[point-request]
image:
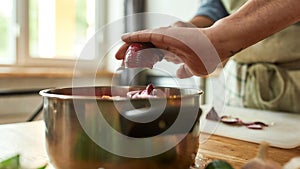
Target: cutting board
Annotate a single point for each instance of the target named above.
(283, 132)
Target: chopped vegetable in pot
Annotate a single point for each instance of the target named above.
(148, 92)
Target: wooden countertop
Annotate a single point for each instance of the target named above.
(28, 140)
(238, 152)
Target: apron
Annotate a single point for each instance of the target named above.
(267, 73)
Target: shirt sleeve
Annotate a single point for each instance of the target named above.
(214, 9)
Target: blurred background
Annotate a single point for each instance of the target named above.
(41, 41)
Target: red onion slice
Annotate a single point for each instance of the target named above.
(213, 115)
(255, 126)
(230, 120)
(136, 56)
(147, 93)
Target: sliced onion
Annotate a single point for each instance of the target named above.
(230, 120)
(255, 126)
(213, 115)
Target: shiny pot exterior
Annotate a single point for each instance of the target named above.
(70, 112)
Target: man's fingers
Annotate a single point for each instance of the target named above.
(172, 58)
(121, 52)
(138, 36)
(157, 36)
(184, 24)
(183, 72)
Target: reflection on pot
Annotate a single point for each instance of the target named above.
(70, 146)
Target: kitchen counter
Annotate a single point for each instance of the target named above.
(28, 140)
(238, 152)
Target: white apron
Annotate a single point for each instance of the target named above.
(266, 75)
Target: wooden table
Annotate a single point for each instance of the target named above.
(238, 152)
(28, 140)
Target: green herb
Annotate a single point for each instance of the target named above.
(11, 163)
(14, 163)
(218, 164)
(43, 167)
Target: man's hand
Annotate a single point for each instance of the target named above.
(187, 45)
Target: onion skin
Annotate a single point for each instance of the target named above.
(137, 57)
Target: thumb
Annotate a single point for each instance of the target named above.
(183, 72)
(184, 24)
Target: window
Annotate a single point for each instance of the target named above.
(7, 32)
(59, 29)
(45, 33)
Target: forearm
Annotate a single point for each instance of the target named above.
(209, 12)
(256, 20)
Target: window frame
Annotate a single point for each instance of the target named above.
(21, 39)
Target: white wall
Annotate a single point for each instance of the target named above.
(182, 9)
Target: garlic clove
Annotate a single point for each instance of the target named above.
(261, 161)
(294, 163)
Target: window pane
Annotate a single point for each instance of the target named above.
(60, 28)
(7, 32)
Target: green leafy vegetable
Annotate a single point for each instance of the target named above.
(43, 167)
(14, 163)
(11, 163)
(218, 164)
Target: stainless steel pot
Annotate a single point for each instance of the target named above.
(76, 136)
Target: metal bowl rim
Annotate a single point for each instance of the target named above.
(45, 93)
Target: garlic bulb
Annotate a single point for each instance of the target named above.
(294, 163)
(261, 161)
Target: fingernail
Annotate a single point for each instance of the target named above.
(125, 36)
